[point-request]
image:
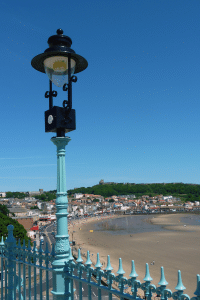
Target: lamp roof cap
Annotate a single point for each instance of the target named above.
(59, 39)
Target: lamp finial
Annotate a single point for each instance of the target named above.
(59, 31)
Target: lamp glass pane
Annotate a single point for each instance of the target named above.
(56, 68)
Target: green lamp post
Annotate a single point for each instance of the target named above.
(60, 63)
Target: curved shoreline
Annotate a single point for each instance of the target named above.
(175, 249)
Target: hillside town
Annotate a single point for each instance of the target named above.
(33, 213)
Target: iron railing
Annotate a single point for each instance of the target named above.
(26, 273)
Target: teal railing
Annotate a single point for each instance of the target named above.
(26, 273)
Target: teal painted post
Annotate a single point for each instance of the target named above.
(62, 238)
(6, 280)
(161, 291)
(135, 284)
(69, 283)
(47, 273)
(35, 275)
(40, 271)
(147, 287)
(29, 270)
(88, 264)
(24, 270)
(180, 288)
(10, 244)
(2, 247)
(79, 262)
(108, 270)
(98, 275)
(120, 273)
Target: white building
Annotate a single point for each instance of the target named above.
(125, 207)
(167, 198)
(78, 196)
(39, 205)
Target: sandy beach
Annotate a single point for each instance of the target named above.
(175, 248)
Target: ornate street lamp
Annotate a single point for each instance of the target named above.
(60, 63)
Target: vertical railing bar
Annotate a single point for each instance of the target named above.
(72, 281)
(40, 284)
(24, 276)
(99, 291)
(98, 275)
(80, 290)
(72, 289)
(122, 290)
(47, 280)
(79, 271)
(70, 270)
(35, 283)
(29, 282)
(40, 272)
(19, 280)
(29, 270)
(80, 283)
(98, 278)
(15, 276)
(110, 295)
(2, 276)
(109, 281)
(89, 292)
(88, 275)
(6, 279)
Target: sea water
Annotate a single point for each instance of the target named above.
(139, 224)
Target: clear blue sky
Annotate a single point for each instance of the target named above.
(137, 104)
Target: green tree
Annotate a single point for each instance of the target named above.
(95, 200)
(9, 195)
(34, 207)
(19, 231)
(4, 210)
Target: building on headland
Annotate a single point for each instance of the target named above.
(101, 182)
(35, 193)
(2, 195)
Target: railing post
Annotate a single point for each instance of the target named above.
(180, 288)
(62, 238)
(147, 287)
(135, 284)
(10, 244)
(120, 277)
(108, 270)
(161, 291)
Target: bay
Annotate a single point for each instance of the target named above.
(140, 224)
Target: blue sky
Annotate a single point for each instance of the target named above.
(137, 104)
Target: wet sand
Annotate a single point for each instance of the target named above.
(177, 248)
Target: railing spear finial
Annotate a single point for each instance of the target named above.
(88, 261)
(109, 267)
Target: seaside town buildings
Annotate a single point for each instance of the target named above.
(33, 213)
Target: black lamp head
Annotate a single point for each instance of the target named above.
(59, 45)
